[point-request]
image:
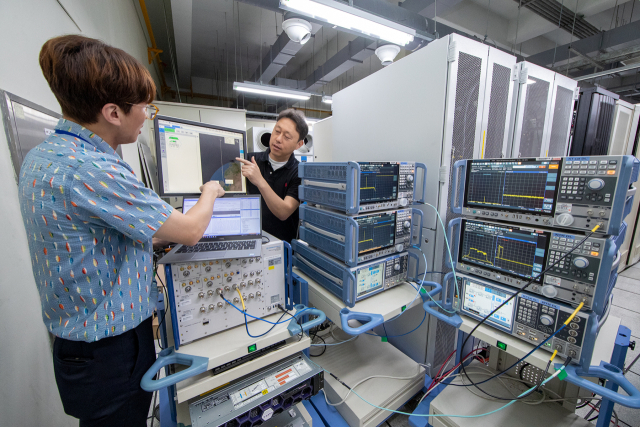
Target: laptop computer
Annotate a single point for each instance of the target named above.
(235, 231)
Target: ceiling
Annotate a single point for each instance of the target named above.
(208, 44)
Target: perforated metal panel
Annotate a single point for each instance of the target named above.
(560, 123)
(465, 116)
(499, 99)
(535, 112)
(445, 343)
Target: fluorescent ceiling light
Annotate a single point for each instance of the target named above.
(269, 90)
(327, 99)
(349, 17)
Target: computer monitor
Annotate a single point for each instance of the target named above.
(192, 153)
(238, 215)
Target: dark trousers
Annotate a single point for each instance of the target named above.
(99, 382)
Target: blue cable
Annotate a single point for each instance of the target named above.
(443, 415)
(260, 318)
(406, 333)
(518, 361)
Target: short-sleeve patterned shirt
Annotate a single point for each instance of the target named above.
(89, 222)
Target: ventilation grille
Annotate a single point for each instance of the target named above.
(464, 119)
(535, 111)
(498, 101)
(598, 144)
(528, 373)
(445, 343)
(560, 124)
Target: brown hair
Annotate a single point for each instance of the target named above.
(85, 74)
(298, 118)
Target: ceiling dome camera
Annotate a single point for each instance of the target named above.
(297, 29)
(387, 53)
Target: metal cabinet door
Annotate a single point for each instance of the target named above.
(560, 115)
(622, 116)
(463, 116)
(534, 101)
(496, 109)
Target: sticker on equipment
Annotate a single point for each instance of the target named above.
(564, 208)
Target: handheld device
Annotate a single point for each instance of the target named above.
(512, 255)
(360, 238)
(528, 317)
(357, 187)
(351, 284)
(196, 289)
(574, 193)
(192, 153)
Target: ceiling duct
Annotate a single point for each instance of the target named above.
(555, 12)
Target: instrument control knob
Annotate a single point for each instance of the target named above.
(546, 320)
(564, 219)
(581, 262)
(211, 307)
(595, 184)
(399, 247)
(396, 267)
(402, 202)
(406, 225)
(409, 178)
(549, 291)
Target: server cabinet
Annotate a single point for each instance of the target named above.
(593, 122)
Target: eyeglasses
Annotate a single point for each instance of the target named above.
(150, 111)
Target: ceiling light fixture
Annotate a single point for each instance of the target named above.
(327, 99)
(273, 91)
(351, 18)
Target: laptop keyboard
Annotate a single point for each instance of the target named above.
(218, 246)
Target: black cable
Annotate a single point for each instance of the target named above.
(522, 369)
(499, 307)
(315, 335)
(161, 322)
(265, 237)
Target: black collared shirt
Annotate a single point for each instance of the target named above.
(284, 182)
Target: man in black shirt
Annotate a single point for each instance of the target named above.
(274, 174)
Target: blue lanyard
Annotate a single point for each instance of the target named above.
(64, 132)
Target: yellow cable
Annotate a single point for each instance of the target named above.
(574, 313)
(241, 299)
(553, 356)
(595, 228)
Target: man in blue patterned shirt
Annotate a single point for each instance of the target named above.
(90, 224)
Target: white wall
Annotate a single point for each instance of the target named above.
(28, 393)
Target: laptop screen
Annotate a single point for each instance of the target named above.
(232, 216)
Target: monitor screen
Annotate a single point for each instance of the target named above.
(377, 231)
(378, 181)
(190, 154)
(522, 185)
(503, 248)
(370, 278)
(481, 300)
(232, 216)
